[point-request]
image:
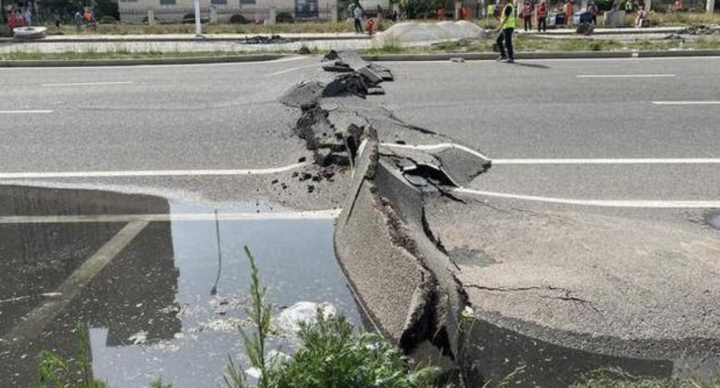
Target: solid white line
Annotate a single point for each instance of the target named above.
(686, 102)
(607, 161)
(290, 70)
(108, 218)
(90, 84)
(440, 146)
(147, 173)
(123, 67)
(670, 204)
(16, 112)
(624, 75)
(34, 323)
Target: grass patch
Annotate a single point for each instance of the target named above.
(164, 29)
(120, 54)
(540, 44)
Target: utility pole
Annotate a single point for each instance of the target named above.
(198, 23)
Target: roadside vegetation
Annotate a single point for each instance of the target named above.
(189, 28)
(332, 354)
(538, 44)
(522, 44)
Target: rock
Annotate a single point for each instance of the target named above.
(300, 313)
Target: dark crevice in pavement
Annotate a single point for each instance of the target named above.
(566, 293)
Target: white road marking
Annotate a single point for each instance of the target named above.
(440, 146)
(20, 112)
(108, 218)
(290, 70)
(34, 69)
(624, 75)
(686, 102)
(147, 173)
(34, 323)
(649, 204)
(607, 161)
(89, 84)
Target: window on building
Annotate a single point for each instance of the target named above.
(167, 2)
(247, 2)
(218, 2)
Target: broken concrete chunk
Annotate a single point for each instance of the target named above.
(370, 75)
(291, 319)
(304, 94)
(376, 91)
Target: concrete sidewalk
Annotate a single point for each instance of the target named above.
(612, 31)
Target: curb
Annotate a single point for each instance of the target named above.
(141, 62)
(159, 38)
(542, 55)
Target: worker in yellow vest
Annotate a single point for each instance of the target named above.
(505, 32)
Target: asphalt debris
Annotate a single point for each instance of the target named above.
(263, 39)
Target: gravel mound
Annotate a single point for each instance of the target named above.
(428, 32)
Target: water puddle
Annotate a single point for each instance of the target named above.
(157, 295)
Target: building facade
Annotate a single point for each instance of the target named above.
(136, 11)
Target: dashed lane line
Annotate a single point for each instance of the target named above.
(148, 173)
(110, 218)
(89, 84)
(606, 161)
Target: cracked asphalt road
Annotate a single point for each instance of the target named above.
(226, 116)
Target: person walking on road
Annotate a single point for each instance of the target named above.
(505, 33)
(357, 15)
(542, 14)
(526, 14)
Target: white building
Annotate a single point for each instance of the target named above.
(136, 11)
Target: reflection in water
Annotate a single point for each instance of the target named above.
(167, 303)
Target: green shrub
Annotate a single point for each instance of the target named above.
(284, 17)
(238, 19)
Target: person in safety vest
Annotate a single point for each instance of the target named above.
(542, 14)
(505, 32)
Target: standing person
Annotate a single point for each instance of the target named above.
(640, 16)
(542, 14)
(357, 15)
(526, 14)
(78, 20)
(27, 16)
(568, 9)
(505, 32)
(594, 10)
